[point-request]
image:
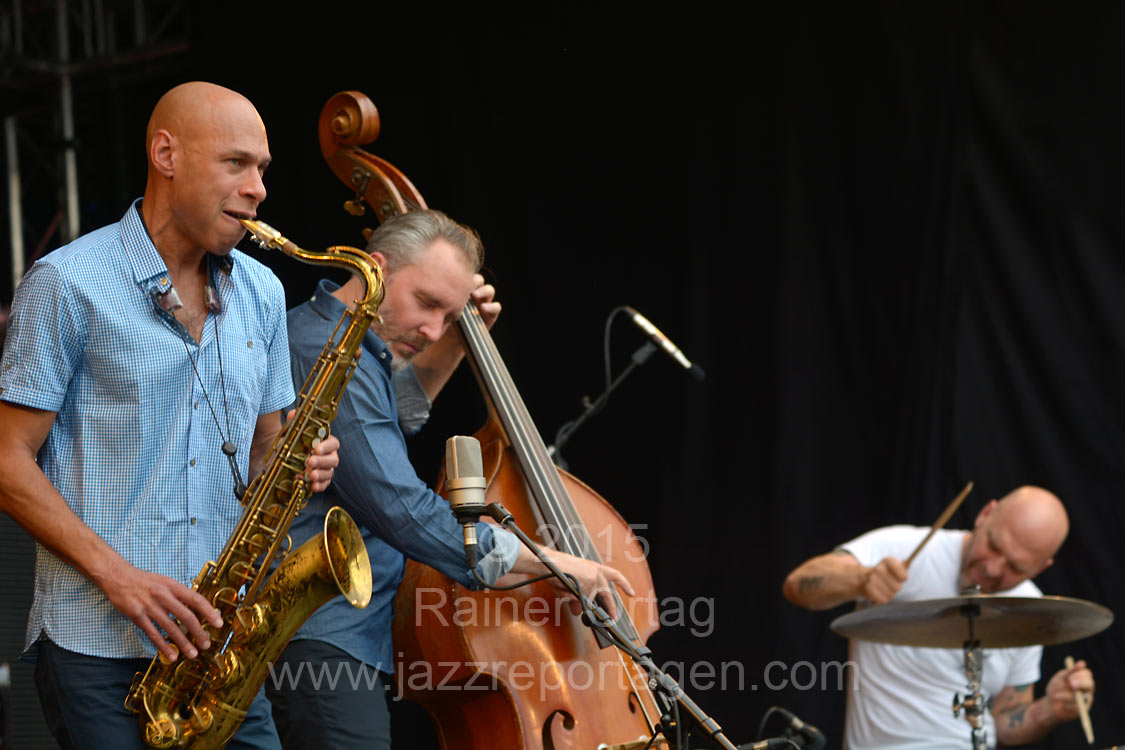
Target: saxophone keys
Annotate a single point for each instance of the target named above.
(271, 516)
(256, 545)
(250, 622)
(161, 733)
(241, 572)
(164, 658)
(224, 599)
(226, 669)
(201, 719)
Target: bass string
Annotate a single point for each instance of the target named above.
(545, 485)
(542, 477)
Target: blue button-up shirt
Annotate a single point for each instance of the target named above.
(375, 482)
(134, 449)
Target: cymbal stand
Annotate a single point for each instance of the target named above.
(973, 704)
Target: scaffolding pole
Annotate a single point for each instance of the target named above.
(15, 199)
(70, 158)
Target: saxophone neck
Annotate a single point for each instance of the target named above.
(352, 258)
(371, 274)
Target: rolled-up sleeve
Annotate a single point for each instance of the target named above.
(413, 403)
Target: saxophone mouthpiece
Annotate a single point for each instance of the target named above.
(264, 234)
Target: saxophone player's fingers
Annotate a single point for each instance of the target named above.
(323, 462)
(166, 649)
(184, 605)
(156, 615)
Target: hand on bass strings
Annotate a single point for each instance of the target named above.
(484, 296)
(593, 578)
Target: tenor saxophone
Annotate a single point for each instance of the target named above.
(199, 703)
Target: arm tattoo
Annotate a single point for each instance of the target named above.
(809, 583)
(1016, 716)
(1012, 695)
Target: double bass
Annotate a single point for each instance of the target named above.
(510, 669)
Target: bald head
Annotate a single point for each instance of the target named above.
(207, 152)
(1035, 517)
(1013, 539)
(192, 109)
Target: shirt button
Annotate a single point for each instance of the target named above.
(249, 344)
(193, 520)
(196, 405)
(192, 462)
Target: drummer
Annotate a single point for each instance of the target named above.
(901, 696)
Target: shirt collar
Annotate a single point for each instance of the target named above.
(149, 269)
(324, 304)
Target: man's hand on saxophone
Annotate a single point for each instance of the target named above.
(145, 598)
(148, 598)
(322, 464)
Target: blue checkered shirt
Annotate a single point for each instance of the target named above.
(134, 449)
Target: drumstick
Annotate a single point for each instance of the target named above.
(1083, 709)
(943, 519)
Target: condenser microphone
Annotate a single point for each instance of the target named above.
(464, 475)
(665, 343)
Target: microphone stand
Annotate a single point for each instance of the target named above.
(639, 357)
(600, 622)
(5, 709)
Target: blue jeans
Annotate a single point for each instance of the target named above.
(83, 701)
(323, 698)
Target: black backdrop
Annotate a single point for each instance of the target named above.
(887, 231)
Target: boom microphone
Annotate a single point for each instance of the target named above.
(464, 474)
(665, 343)
(814, 738)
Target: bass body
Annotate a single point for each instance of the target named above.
(510, 669)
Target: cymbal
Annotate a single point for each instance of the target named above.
(1002, 622)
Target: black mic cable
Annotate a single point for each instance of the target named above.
(464, 475)
(814, 738)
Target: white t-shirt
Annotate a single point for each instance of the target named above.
(902, 696)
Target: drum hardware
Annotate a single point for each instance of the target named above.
(993, 622)
(973, 704)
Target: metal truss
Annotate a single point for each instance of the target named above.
(48, 50)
